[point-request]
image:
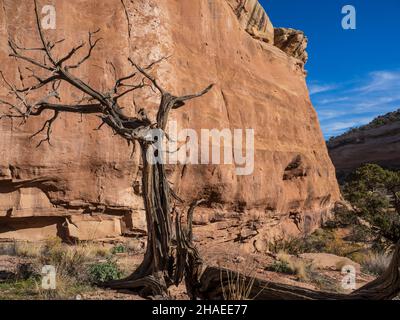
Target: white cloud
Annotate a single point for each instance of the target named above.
(380, 81)
(315, 88)
(333, 100)
(335, 128)
(357, 102)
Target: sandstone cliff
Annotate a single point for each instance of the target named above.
(377, 142)
(86, 185)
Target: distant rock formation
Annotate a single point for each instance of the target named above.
(86, 185)
(377, 142)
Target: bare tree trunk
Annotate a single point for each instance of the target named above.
(155, 273)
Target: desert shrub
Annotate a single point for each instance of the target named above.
(71, 261)
(135, 246)
(318, 241)
(27, 288)
(238, 286)
(342, 248)
(101, 252)
(104, 271)
(27, 249)
(120, 248)
(68, 261)
(360, 233)
(18, 290)
(375, 263)
(344, 216)
(280, 267)
(375, 192)
(322, 240)
(66, 288)
(324, 282)
(76, 268)
(288, 264)
(290, 245)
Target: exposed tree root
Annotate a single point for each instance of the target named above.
(146, 286)
(212, 283)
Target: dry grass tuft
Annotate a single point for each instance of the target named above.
(375, 263)
(238, 287)
(27, 249)
(288, 264)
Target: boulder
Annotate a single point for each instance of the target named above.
(328, 261)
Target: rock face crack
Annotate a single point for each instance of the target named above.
(128, 20)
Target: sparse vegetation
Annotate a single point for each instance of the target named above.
(289, 245)
(280, 267)
(26, 249)
(120, 248)
(375, 194)
(78, 268)
(104, 271)
(69, 261)
(324, 282)
(18, 289)
(375, 263)
(288, 264)
(322, 240)
(238, 287)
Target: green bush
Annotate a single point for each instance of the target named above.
(104, 271)
(119, 249)
(375, 193)
(280, 267)
(360, 233)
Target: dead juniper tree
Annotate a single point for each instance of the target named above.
(158, 270)
(170, 256)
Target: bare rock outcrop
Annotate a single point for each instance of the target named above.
(253, 18)
(293, 42)
(86, 184)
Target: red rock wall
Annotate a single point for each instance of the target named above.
(380, 145)
(87, 173)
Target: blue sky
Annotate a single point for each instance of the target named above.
(353, 75)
